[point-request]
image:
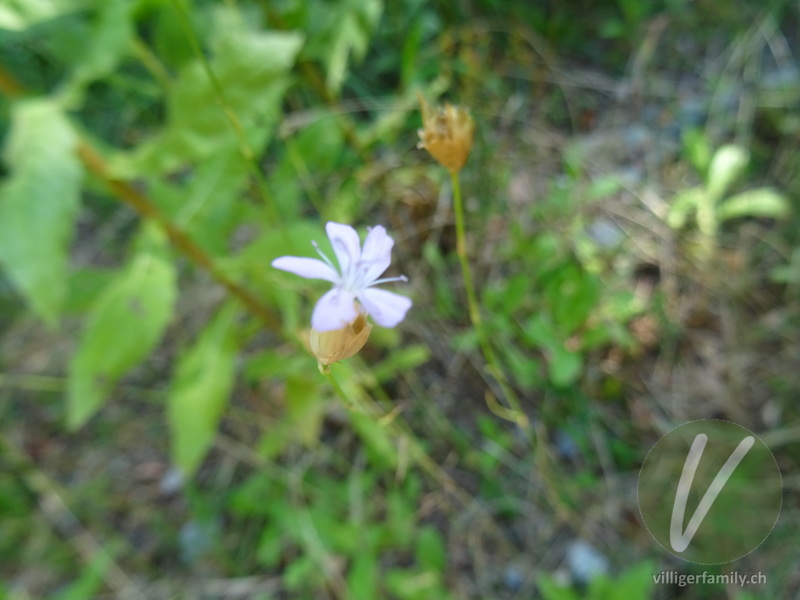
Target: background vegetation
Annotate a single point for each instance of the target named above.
(633, 234)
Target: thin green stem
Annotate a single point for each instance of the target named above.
(514, 413)
(461, 249)
(345, 398)
(152, 63)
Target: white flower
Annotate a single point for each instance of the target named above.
(358, 272)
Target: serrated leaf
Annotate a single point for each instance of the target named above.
(38, 204)
(728, 163)
(761, 202)
(251, 70)
(123, 327)
(200, 391)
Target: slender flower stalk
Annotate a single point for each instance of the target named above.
(515, 413)
(461, 250)
(447, 134)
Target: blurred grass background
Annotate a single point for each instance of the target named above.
(631, 217)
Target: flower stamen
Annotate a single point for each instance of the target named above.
(388, 279)
(323, 255)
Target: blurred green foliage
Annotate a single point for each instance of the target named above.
(244, 126)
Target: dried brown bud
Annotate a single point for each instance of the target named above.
(332, 346)
(446, 134)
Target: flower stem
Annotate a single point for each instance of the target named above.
(514, 413)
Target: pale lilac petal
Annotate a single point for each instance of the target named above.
(346, 245)
(376, 255)
(310, 268)
(387, 308)
(334, 310)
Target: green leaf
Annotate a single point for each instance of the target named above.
(697, 148)
(728, 163)
(90, 581)
(636, 582)
(410, 584)
(271, 544)
(169, 38)
(355, 20)
(401, 516)
(363, 576)
(378, 444)
(572, 294)
(430, 551)
(603, 187)
(208, 207)
(309, 156)
(85, 286)
(302, 573)
(551, 590)
(107, 44)
(789, 272)
(17, 15)
(444, 296)
(523, 368)
(251, 69)
(126, 323)
(201, 389)
(388, 124)
(761, 202)
(564, 366)
(305, 407)
(539, 331)
(683, 204)
(38, 203)
(401, 360)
